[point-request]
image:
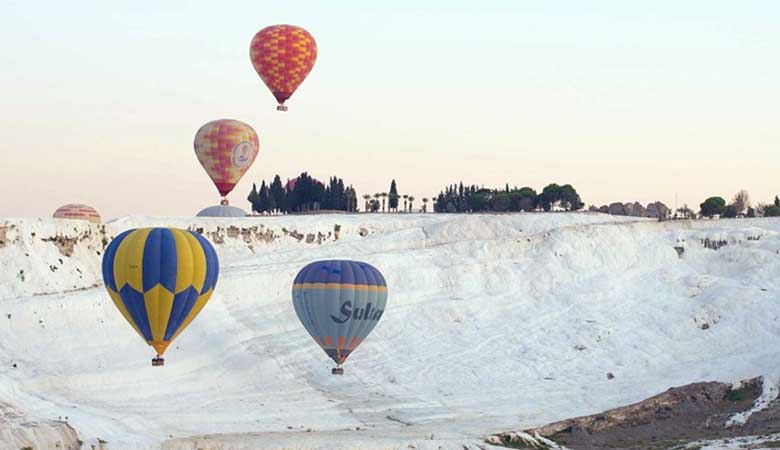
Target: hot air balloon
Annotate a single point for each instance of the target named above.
(283, 55)
(339, 303)
(77, 211)
(226, 148)
(222, 211)
(160, 279)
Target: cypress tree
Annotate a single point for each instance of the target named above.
(277, 190)
(393, 196)
(253, 198)
(263, 198)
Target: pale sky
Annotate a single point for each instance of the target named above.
(626, 100)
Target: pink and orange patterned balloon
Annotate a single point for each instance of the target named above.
(283, 55)
(226, 148)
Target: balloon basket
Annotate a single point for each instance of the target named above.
(224, 201)
(158, 361)
(337, 371)
(281, 108)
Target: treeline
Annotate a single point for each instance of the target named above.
(392, 200)
(303, 194)
(460, 199)
(739, 207)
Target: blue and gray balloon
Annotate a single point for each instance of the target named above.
(339, 303)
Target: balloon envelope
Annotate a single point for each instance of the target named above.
(339, 303)
(283, 55)
(222, 211)
(226, 148)
(160, 279)
(77, 211)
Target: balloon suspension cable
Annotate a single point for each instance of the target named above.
(281, 108)
(338, 370)
(224, 201)
(158, 361)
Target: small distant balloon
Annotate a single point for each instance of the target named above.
(226, 148)
(77, 211)
(283, 55)
(222, 211)
(339, 303)
(160, 279)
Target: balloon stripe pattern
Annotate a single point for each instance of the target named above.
(283, 55)
(160, 279)
(226, 148)
(339, 304)
(77, 211)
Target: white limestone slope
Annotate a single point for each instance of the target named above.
(494, 322)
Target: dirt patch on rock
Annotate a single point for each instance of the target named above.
(248, 235)
(676, 417)
(65, 245)
(4, 231)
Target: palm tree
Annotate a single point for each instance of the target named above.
(384, 197)
(367, 197)
(405, 199)
(376, 197)
(425, 204)
(411, 201)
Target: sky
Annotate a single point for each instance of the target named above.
(628, 101)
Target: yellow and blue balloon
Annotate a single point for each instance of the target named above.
(160, 279)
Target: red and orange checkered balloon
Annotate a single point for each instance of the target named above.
(226, 148)
(283, 55)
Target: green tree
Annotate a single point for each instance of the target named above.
(451, 208)
(262, 198)
(353, 195)
(279, 194)
(271, 203)
(569, 198)
(777, 201)
(393, 203)
(500, 202)
(307, 195)
(526, 199)
(772, 211)
(731, 211)
(476, 203)
(712, 206)
(253, 197)
(551, 194)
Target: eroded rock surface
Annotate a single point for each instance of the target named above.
(673, 418)
(18, 431)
